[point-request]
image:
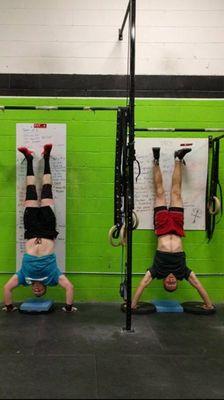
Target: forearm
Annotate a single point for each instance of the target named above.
(8, 288)
(68, 287)
(205, 297)
(69, 295)
(194, 281)
(7, 296)
(137, 295)
(143, 284)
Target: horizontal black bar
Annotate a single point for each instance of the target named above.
(77, 85)
(58, 108)
(202, 274)
(218, 138)
(179, 129)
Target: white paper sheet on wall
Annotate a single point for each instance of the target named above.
(193, 184)
(34, 136)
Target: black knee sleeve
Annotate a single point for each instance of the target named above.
(31, 192)
(46, 192)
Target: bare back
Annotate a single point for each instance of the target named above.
(170, 243)
(39, 247)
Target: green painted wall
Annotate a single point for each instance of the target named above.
(90, 174)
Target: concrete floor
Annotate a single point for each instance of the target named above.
(88, 355)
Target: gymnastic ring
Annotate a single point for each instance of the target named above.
(111, 238)
(135, 220)
(123, 235)
(214, 205)
(123, 231)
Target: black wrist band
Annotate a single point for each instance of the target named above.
(68, 307)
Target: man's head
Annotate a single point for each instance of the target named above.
(38, 289)
(170, 283)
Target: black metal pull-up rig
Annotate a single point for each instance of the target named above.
(129, 198)
(129, 195)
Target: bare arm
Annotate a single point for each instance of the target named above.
(69, 289)
(194, 281)
(8, 288)
(143, 284)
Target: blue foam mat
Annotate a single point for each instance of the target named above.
(36, 305)
(169, 306)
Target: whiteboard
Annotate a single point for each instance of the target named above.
(34, 136)
(193, 182)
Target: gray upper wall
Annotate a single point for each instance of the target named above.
(174, 37)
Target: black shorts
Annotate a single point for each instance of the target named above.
(40, 222)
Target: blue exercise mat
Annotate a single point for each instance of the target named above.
(168, 306)
(36, 306)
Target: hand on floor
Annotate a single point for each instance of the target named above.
(9, 308)
(69, 309)
(206, 307)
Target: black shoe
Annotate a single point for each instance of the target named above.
(156, 154)
(181, 153)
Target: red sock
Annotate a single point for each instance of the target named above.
(47, 149)
(26, 152)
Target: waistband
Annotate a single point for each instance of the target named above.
(165, 208)
(179, 253)
(30, 257)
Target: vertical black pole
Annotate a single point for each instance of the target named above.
(131, 157)
(120, 182)
(118, 177)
